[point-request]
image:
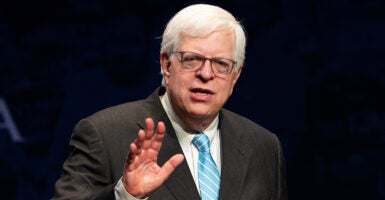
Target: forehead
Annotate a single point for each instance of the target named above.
(218, 43)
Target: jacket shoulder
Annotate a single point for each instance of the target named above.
(238, 120)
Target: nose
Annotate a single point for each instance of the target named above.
(206, 71)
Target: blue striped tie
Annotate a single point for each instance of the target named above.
(208, 174)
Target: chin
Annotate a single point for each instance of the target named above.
(201, 114)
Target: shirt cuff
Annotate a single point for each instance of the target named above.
(121, 193)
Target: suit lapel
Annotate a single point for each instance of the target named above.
(180, 183)
(234, 160)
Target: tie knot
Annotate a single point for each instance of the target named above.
(201, 142)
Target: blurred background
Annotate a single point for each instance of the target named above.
(314, 75)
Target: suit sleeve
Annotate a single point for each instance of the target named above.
(86, 172)
(281, 173)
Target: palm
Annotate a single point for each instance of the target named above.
(142, 174)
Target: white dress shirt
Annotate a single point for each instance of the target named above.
(190, 151)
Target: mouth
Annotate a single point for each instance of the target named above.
(201, 91)
(201, 94)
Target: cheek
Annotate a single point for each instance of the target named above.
(173, 80)
(229, 90)
(225, 93)
(180, 79)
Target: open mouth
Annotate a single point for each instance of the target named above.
(200, 91)
(201, 95)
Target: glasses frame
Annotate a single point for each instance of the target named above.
(216, 72)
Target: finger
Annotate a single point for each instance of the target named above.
(161, 129)
(149, 128)
(131, 156)
(149, 131)
(158, 137)
(135, 148)
(139, 141)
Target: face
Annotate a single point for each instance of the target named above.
(200, 94)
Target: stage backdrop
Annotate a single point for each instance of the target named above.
(314, 75)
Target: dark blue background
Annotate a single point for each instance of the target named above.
(314, 75)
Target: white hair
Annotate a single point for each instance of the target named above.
(201, 20)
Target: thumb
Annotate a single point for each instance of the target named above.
(171, 165)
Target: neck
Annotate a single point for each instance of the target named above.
(196, 124)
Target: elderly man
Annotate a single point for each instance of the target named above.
(181, 142)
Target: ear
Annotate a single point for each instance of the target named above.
(235, 79)
(165, 63)
(237, 75)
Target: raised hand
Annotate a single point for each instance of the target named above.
(142, 174)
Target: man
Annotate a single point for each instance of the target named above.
(201, 56)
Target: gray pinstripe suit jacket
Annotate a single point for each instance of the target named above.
(252, 159)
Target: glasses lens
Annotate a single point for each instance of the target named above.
(222, 66)
(192, 60)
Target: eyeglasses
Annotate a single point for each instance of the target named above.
(194, 61)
